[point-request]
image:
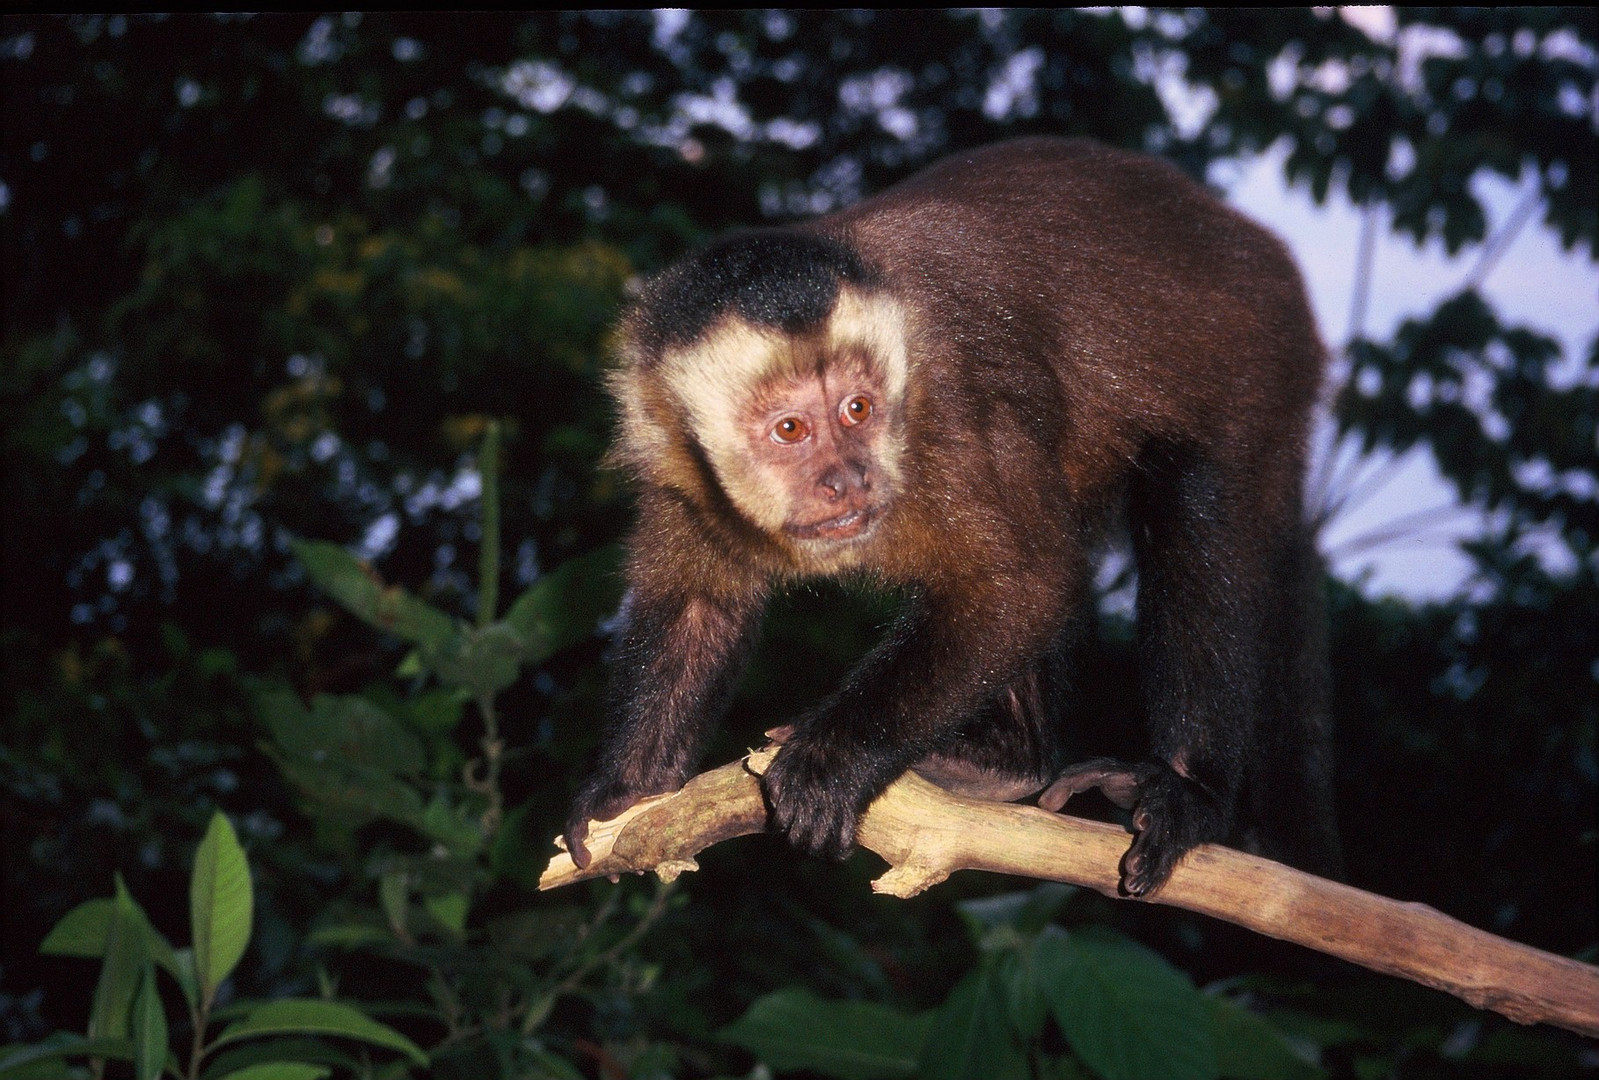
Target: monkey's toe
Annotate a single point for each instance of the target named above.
(1148, 862)
(1118, 780)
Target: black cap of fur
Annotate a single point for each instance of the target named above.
(769, 277)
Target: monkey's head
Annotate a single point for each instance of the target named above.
(769, 372)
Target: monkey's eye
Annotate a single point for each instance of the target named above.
(790, 430)
(856, 410)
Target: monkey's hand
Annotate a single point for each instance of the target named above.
(817, 790)
(1171, 813)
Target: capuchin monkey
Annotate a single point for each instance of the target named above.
(959, 388)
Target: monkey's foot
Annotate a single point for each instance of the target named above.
(1170, 813)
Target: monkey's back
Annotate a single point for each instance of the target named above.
(1157, 310)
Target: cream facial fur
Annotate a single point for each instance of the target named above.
(714, 380)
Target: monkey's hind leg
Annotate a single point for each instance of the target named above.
(1202, 534)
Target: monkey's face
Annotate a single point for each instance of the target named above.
(815, 448)
(803, 432)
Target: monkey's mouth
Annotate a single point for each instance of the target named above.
(844, 527)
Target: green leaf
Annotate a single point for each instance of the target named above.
(350, 729)
(455, 827)
(149, 1029)
(449, 910)
(854, 1040)
(438, 710)
(354, 585)
(972, 1033)
(280, 1070)
(350, 936)
(1025, 1007)
(299, 1049)
(394, 895)
(483, 662)
(302, 1016)
(221, 905)
(1028, 911)
(543, 1063)
(27, 1062)
(183, 971)
(1248, 1048)
(1125, 1011)
(566, 605)
(351, 794)
(82, 933)
(534, 933)
(126, 958)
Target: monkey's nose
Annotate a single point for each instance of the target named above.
(841, 480)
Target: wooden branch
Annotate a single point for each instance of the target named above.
(926, 834)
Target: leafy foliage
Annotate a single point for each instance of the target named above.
(284, 276)
(128, 1019)
(1123, 1012)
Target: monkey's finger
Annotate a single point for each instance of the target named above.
(576, 833)
(781, 734)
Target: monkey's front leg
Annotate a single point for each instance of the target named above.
(914, 690)
(676, 663)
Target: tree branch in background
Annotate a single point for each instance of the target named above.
(926, 834)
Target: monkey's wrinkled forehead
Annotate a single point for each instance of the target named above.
(784, 280)
(728, 365)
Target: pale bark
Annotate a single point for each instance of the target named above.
(926, 834)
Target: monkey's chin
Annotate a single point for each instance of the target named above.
(850, 526)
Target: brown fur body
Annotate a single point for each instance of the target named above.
(1052, 333)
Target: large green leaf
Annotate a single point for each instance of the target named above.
(455, 827)
(1026, 912)
(1025, 1008)
(973, 1034)
(353, 793)
(82, 933)
(221, 904)
(1125, 1011)
(483, 661)
(127, 957)
(346, 753)
(148, 1028)
(534, 933)
(853, 1040)
(272, 1050)
(303, 1016)
(340, 729)
(566, 605)
(1248, 1048)
(27, 1062)
(280, 1070)
(358, 589)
